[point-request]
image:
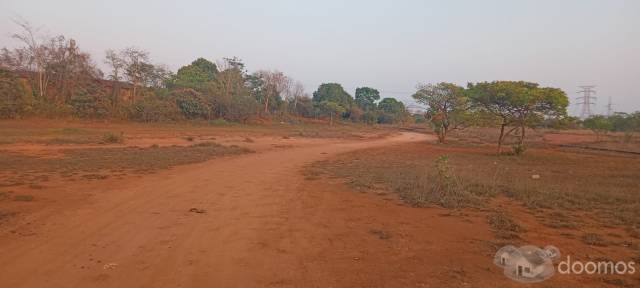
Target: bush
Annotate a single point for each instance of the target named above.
(155, 109)
(192, 104)
(90, 102)
(442, 188)
(14, 101)
(242, 108)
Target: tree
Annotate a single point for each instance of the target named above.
(332, 109)
(599, 124)
(13, 99)
(32, 57)
(274, 85)
(136, 60)
(116, 63)
(447, 106)
(366, 98)
(294, 94)
(391, 111)
(196, 75)
(192, 103)
(334, 95)
(517, 103)
(229, 93)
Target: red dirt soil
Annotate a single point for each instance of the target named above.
(257, 223)
(264, 225)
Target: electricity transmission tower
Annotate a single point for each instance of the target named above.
(609, 107)
(586, 100)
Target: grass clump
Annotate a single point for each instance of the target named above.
(593, 239)
(504, 226)
(441, 188)
(112, 138)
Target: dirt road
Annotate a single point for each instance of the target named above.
(261, 224)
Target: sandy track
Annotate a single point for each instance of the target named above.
(261, 228)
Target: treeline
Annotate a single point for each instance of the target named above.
(62, 80)
(627, 123)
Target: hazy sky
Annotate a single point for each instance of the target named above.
(388, 45)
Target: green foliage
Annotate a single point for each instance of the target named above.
(196, 75)
(192, 104)
(155, 109)
(625, 122)
(333, 92)
(391, 111)
(598, 123)
(366, 98)
(331, 109)
(447, 106)
(230, 94)
(517, 103)
(330, 99)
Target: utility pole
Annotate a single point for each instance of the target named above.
(586, 100)
(609, 107)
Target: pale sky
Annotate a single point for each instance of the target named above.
(388, 45)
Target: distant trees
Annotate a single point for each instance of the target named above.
(274, 85)
(13, 99)
(230, 96)
(447, 106)
(332, 100)
(366, 98)
(391, 111)
(195, 76)
(55, 62)
(517, 104)
(52, 76)
(628, 123)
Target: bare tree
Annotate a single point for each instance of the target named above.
(296, 93)
(34, 53)
(116, 63)
(135, 62)
(275, 84)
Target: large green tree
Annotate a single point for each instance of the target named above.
(517, 104)
(391, 111)
(447, 106)
(366, 98)
(196, 75)
(332, 95)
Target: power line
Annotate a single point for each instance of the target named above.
(587, 100)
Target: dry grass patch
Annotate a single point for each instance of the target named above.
(504, 226)
(96, 163)
(541, 179)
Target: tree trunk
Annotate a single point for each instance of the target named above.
(501, 138)
(444, 135)
(521, 142)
